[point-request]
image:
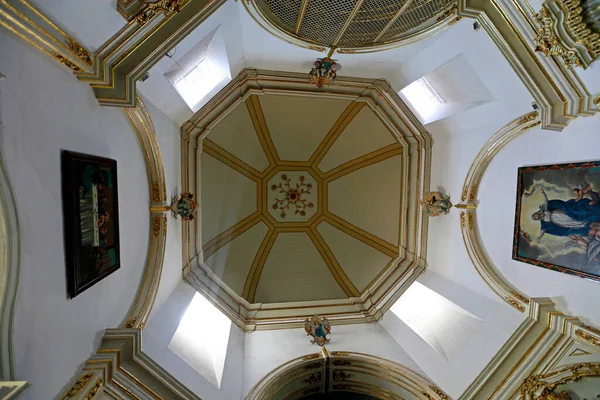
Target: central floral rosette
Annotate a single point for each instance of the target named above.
(292, 196)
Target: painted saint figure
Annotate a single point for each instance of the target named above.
(318, 328)
(567, 218)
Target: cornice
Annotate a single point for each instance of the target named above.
(557, 89)
(535, 349)
(37, 29)
(120, 369)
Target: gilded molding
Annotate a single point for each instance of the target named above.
(121, 61)
(558, 91)
(78, 386)
(31, 25)
(145, 131)
(94, 390)
(123, 368)
(66, 62)
(482, 263)
(544, 383)
(80, 52)
(588, 337)
(371, 375)
(166, 7)
(549, 44)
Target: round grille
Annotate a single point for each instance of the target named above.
(353, 23)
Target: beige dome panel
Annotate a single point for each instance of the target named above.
(295, 271)
(232, 262)
(361, 262)
(298, 124)
(354, 143)
(236, 135)
(300, 193)
(369, 198)
(223, 206)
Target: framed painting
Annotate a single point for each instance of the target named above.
(91, 219)
(557, 221)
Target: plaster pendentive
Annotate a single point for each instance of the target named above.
(301, 188)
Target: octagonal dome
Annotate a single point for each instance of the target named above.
(308, 199)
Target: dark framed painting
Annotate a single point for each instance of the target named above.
(91, 219)
(557, 221)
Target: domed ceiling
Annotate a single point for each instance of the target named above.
(351, 24)
(305, 195)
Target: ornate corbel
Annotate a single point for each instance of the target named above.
(564, 33)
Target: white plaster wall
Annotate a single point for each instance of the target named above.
(499, 322)
(91, 22)
(579, 141)
(160, 330)
(45, 109)
(266, 350)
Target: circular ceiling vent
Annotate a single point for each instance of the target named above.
(352, 25)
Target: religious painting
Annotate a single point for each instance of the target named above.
(557, 222)
(91, 219)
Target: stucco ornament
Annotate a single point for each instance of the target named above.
(185, 206)
(436, 203)
(318, 328)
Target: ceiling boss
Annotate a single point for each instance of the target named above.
(292, 196)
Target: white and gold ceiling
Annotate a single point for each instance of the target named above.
(308, 198)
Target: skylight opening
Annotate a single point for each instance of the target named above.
(442, 324)
(198, 82)
(423, 97)
(201, 339)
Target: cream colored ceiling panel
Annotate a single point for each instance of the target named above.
(369, 198)
(360, 262)
(295, 271)
(298, 124)
(364, 134)
(223, 205)
(232, 262)
(236, 134)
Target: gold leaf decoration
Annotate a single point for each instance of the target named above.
(65, 61)
(77, 386)
(80, 52)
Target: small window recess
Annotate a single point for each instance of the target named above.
(445, 326)
(201, 339)
(423, 97)
(199, 74)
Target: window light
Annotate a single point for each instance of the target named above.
(198, 82)
(423, 97)
(442, 324)
(201, 339)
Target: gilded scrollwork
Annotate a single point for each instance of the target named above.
(341, 375)
(166, 7)
(65, 61)
(548, 43)
(94, 391)
(532, 116)
(588, 337)
(542, 386)
(515, 303)
(80, 52)
(78, 386)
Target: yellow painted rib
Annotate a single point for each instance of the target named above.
(258, 264)
(359, 234)
(342, 122)
(334, 266)
(227, 236)
(214, 150)
(363, 161)
(260, 126)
